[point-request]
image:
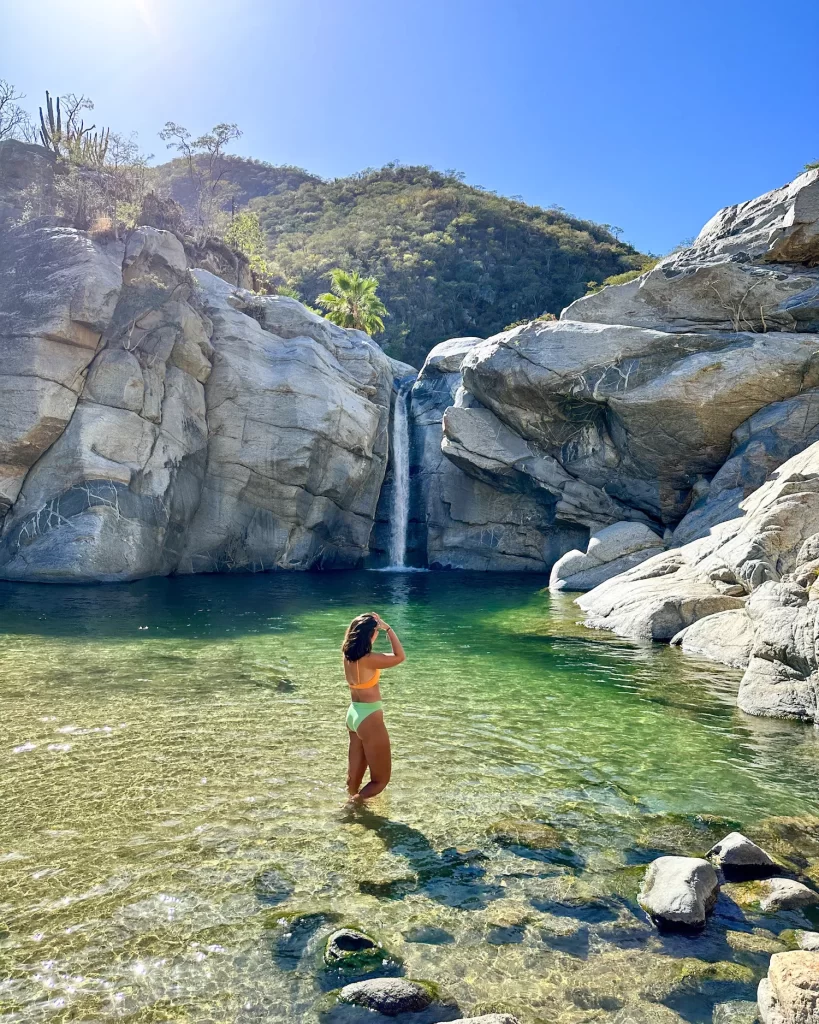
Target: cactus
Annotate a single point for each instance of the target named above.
(73, 142)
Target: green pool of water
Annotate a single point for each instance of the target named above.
(174, 840)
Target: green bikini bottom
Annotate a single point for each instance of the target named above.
(358, 711)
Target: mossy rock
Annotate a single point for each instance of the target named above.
(691, 970)
(534, 835)
(536, 840)
(354, 953)
(428, 993)
(790, 938)
(745, 894)
(757, 941)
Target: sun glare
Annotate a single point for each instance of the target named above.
(122, 15)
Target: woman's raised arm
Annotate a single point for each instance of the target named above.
(388, 660)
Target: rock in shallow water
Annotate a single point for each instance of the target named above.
(355, 952)
(611, 551)
(736, 1011)
(488, 1018)
(389, 996)
(679, 892)
(740, 858)
(790, 993)
(786, 894)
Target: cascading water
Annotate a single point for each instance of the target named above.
(400, 477)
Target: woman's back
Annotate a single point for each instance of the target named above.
(362, 680)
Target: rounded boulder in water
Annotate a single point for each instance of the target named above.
(389, 996)
(678, 893)
(741, 859)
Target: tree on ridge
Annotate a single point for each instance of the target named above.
(352, 302)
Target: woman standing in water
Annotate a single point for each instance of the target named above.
(369, 739)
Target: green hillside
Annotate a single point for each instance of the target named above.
(451, 259)
(252, 178)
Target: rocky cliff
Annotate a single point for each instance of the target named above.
(157, 419)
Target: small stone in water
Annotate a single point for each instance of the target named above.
(737, 1011)
(786, 894)
(488, 1018)
(740, 859)
(389, 996)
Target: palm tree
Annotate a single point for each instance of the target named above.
(352, 302)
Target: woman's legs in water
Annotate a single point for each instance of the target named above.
(376, 745)
(356, 764)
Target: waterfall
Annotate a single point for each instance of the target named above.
(400, 477)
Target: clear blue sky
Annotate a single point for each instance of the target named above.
(646, 115)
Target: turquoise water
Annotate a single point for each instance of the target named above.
(172, 762)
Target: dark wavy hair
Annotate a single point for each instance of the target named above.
(358, 640)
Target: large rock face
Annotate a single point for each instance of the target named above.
(26, 181)
(640, 413)
(462, 517)
(752, 267)
(159, 422)
(297, 414)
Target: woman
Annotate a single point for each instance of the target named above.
(369, 740)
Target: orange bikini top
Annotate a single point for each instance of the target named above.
(368, 684)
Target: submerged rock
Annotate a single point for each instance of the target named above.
(790, 993)
(535, 835)
(272, 886)
(293, 934)
(429, 935)
(739, 858)
(679, 892)
(735, 1011)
